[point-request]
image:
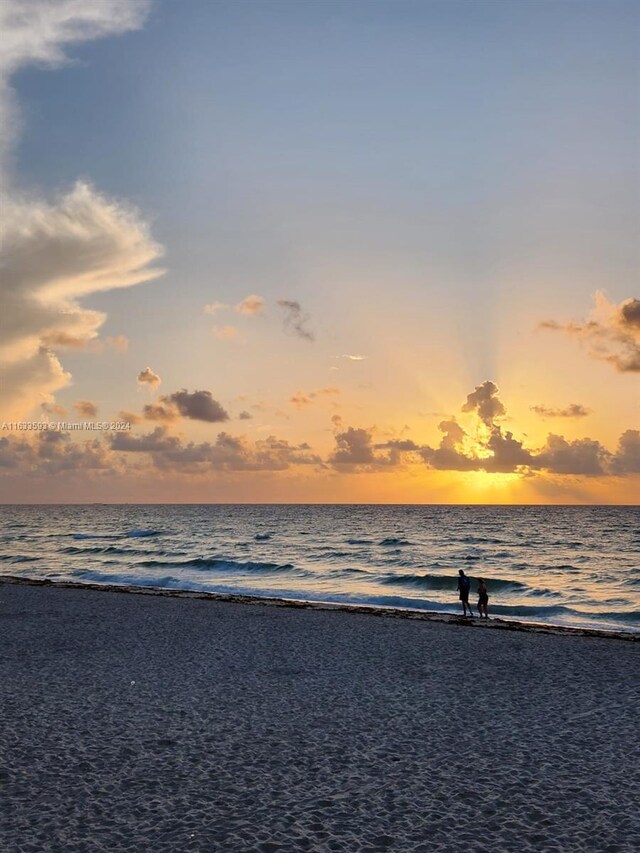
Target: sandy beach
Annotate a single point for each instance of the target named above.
(166, 723)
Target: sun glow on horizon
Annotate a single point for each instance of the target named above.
(377, 293)
(485, 487)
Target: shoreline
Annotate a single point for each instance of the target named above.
(493, 623)
(165, 722)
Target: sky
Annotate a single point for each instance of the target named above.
(323, 251)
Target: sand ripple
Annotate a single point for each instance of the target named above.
(132, 723)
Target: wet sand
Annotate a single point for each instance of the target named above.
(176, 723)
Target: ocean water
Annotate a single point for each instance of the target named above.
(575, 566)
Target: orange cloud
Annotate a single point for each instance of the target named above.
(301, 399)
(611, 333)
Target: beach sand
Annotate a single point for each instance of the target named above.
(158, 723)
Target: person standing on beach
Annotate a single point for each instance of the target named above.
(464, 586)
(483, 599)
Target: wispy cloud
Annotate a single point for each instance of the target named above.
(351, 357)
(573, 410)
(301, 399)
(225, 333)
(611, 333)
(295, 320)
(214, 307)
(251, 305)
(86, 409)
(37, 32)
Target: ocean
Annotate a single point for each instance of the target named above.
(576, 566)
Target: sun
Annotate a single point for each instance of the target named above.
(485, 487)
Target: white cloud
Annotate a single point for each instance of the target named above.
(36, 32)
(55, 253)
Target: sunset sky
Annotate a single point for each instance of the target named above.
(324, 251)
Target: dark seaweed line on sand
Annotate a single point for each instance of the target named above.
(369, 610)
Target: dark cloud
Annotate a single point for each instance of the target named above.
(14, 453)
(453, 434)
(449, 456)
(485, 402)
(227, 453)
(402, 445)
(400, 450)
(627, 458)
(573, 410)
(498, 452)
(353, 447)
(501, 453)
(630, 313)
(295, 320)
(157, 441)
(445, 459)
(53, 452)
(583, 456)
(487, 447)
(508, 453)
(198, 406)
(160, 412)
(245, 416)
(356, 451)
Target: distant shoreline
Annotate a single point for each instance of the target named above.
(327, 503)
(494, 623)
